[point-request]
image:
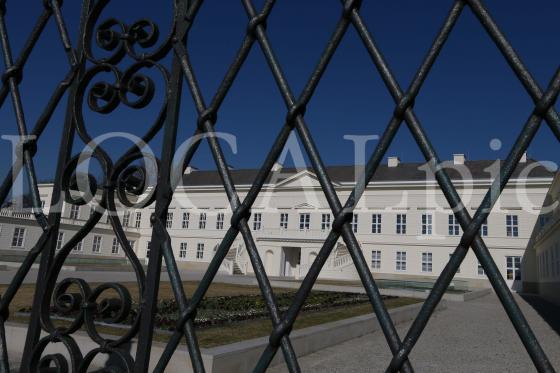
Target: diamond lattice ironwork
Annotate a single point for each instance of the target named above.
(121, 40)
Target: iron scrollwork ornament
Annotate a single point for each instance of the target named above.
(125, 183)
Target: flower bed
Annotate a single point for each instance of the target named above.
(221, 310)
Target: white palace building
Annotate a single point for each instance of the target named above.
(403, 223)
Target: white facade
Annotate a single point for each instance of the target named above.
(542, 264)
(405, 227)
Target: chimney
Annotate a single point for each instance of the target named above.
(458, 159)
(393, 161)
(523, 158)
(276, 167)
(189, 170)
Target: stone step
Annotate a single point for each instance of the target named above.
(236, 269)
(341, 250)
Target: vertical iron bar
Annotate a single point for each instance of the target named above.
(55, 211)
(27, 48)
(13, 75)
(164, 192)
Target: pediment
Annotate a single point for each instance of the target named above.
(303, 179)
(304, 205)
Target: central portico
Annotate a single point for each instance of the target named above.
(290, 261)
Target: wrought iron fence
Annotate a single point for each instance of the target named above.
(123, 178)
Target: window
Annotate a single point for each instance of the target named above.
(545, 264)
(354, 223)
(200, 251)
(131, 244)
(283, 220)
(426, 223)
(401, 223)
(376, 223)
(148, 249)
(512, 226)
(548, 263)
(552, 260)
(541, 270)
(458, 269)
(202, 221)
(126, 219)
(480, 270)
(220, 221)
(539, 265)
(426, 262)
(169, 220)
(325, 222)
(257, 221)
(183, 250)
(152, 217)
(484, 229)
(74, 212)
(60, 240)
(42, 203)
(78, 246)
(304, 221)
(186, 218)
(115, 247)
(401, 261)
(513, 267)
(453, 225)
(375, 259)
(18, 237)
(138, 219)
(557, 261)
(96, 246)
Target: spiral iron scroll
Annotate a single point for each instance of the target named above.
(118, 77)
(124, 183)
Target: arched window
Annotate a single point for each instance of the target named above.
(312, 256)
(269, 262)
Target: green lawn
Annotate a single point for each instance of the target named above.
(216, 336)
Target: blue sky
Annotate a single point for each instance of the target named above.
(470, 98)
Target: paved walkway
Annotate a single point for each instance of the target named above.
(123, 276)
(473, 336)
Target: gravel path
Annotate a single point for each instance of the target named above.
(474, 336)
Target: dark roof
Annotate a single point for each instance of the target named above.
(344, 174)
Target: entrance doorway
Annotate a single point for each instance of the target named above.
(291, 261)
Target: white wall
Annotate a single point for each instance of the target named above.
(304, 196)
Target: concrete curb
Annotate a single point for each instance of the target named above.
(420, 294)
(240, 356)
